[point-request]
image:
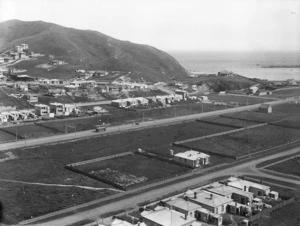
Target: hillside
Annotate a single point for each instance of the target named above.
(223, 83)
(91, 50)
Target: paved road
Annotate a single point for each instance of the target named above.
(132, 202)
(127, 127)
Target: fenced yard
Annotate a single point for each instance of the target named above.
(130, 170)
(246, 142)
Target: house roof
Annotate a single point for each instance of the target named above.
(240, 184)
(265, 106)
(191, 155)
(224, 190)
(210, 199)
(41, 105)
(168, 217)
(184, 205)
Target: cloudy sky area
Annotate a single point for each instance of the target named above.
(217, 25)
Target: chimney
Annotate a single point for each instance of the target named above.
(211, 196)
(185, 198)
(245, 188)
(195, 195)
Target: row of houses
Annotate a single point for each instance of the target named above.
(14, 116)
(55, 109)
(205, 205)
(132, 102)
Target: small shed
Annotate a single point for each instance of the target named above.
(265, 108)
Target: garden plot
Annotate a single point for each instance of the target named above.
(291, 166)
(131, 169)
(255, 116)
(247, 142)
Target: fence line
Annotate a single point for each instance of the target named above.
(100, 159)
(274, 208)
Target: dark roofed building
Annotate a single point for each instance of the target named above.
(265, 108)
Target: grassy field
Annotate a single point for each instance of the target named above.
(228, 121)
(5, 137)
(293, 122)
(248, 141)
(287, 108)
(19, 103)
(119, 116)
(291, 166)
(241, 100)
(265, 163)
(45, 164)
(23, 201)
(131, 169)
(257, 116)
(286, 92)
(30, 131)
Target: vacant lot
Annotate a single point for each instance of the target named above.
(241, 100)
(45, 164)
(130, 141)
(248, 141)
(23, 201)
(283, 93)
(5, 137)
(293, 122)
(291, 166)
(131, 169)
(238, 123)
(255, 116)
(19, 103)
(30, 131)
(287, 108)
(119, 116)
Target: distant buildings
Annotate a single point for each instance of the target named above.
(226, 73)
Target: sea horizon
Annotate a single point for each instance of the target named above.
(251, 64)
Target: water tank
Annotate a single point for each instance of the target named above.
(171, 152)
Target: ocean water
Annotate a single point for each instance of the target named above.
(248, 64)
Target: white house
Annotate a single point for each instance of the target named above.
(57, 108)
(42, 109)
(192, 158)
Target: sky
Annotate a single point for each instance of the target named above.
(170, 25)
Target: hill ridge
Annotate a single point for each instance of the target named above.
(88, 48)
